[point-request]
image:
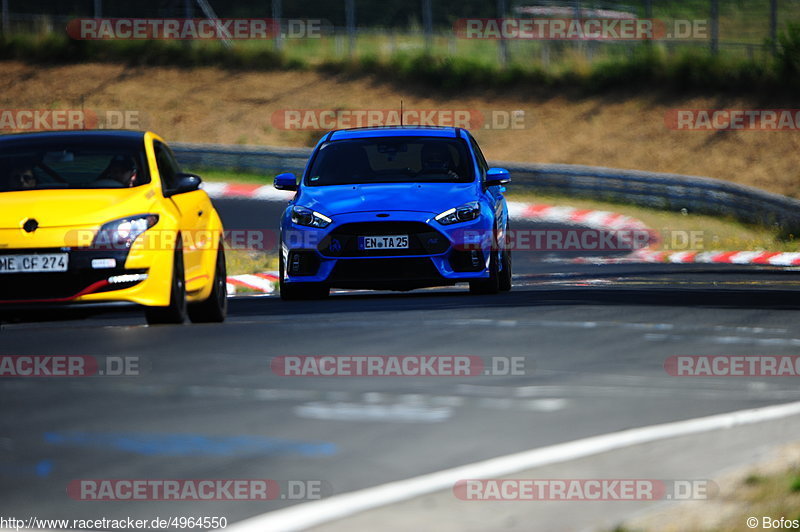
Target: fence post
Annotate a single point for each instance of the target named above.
(6, 21)
(773, 25)
(350, 20)
(98, 8)
(277, 13)
(714, 27)
(427, 23)
(502, 44)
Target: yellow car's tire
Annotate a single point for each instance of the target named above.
(175, 312)
(215, 308)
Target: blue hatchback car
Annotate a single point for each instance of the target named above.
(394, 208)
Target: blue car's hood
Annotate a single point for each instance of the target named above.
(419, 197)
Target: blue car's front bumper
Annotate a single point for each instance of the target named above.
(437, 255)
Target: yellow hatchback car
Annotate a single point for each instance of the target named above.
(107, 216)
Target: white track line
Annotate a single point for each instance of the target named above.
(310, 514)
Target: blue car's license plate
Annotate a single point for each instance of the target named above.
(383, 242)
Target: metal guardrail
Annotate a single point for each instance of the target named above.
(674, 192)
(255, 159)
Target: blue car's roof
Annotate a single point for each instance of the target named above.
(394, 131)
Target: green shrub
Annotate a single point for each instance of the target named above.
(644, 67)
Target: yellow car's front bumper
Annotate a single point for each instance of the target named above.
(93, 276)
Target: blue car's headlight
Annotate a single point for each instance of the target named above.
(309, 218)
(468, 211)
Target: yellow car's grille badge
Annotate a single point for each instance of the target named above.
(30, 225)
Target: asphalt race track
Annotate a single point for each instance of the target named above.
(207, 405)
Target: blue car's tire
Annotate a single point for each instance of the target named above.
(505, 272)
(300, 291)
(490, 285)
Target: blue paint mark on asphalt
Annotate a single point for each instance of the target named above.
(189, 444)
(42, 468)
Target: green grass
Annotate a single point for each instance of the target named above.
(241, 261)
(229, 176)
(472, 63)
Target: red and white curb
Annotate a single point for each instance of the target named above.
(764, 258)
(605, 220)
(601, 220)
(259, 282)
(245, 191)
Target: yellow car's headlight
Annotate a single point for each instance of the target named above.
(120, 234)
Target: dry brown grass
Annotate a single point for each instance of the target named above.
(766, 488)
(214, 105)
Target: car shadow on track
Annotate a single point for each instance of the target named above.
(743, 289)
(527, 297)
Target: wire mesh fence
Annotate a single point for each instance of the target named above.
(368, 28)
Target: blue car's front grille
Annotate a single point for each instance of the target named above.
(391, 271)
(422, 239)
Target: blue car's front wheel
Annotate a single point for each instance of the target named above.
(490, 285)
(298, 291)
(499, 273)
(505, 271)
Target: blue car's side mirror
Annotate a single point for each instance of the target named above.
(497, 176)
(286, 181)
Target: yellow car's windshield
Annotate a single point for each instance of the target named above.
(59, 166)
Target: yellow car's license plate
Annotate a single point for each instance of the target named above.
(45, 262)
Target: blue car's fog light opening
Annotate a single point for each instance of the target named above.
(302, 263)
(464, 213)
(462, 260)
(309, 218)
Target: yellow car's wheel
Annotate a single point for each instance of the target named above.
(175, 312)
(215, 308)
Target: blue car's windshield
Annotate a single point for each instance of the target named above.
(391, 160)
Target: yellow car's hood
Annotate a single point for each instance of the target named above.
(72, 208)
